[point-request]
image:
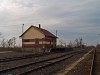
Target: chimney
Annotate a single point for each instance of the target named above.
(39, 25)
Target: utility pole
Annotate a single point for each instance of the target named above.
(22, 28)
(22, 33)
(81, 42)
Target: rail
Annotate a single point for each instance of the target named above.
(93, 58)
(27, 69)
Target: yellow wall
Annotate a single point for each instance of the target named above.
(39, 42)
(46, 42)
(33, 33)
(28, 42)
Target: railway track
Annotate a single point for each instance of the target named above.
(17, 63)
(7, 59)
(92, 63)
(24, 69)
(85, 65)
(96, 63)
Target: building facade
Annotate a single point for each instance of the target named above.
(36, 37)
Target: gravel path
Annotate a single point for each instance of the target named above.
(53, 69)
(84, 67)
(96, 68)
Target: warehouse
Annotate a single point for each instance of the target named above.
(37, 37)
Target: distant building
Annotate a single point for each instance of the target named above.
(36, 37)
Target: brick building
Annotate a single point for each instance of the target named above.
(36, 37)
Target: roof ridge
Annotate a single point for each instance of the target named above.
(44, 31)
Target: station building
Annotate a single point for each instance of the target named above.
(37, 37)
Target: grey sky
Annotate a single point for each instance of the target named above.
(72, 18)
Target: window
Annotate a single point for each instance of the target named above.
(25, 40)
(37, 41)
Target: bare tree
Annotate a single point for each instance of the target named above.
(70, 44)
(62, 43)
(3, 43)
(11, 42)
(77, 43)
(14, 41)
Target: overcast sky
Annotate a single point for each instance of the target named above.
(71, 18)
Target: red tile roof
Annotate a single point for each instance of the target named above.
(45, 32)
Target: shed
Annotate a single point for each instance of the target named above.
(37, 37)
